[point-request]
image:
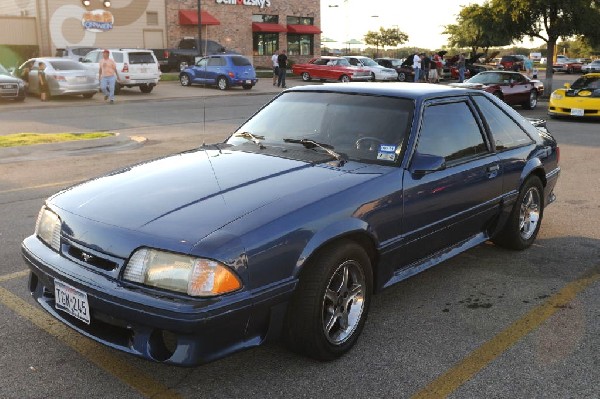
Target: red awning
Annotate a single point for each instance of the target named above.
(190, 17)
(304, 29)
(263, 27)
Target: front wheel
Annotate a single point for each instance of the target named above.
(525, 219)
(185, 80)
(401, 77)
(373, 78)
(222, 83)
(531, 103)
(345, 78)
(329, 307)
(306, 76)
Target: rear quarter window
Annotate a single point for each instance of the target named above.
(240, 61)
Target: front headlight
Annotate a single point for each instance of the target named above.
(557, 96)
(180, 273)
(47, 228)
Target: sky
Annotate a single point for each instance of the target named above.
(423, 21)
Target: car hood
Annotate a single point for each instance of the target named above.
(187, 196)
(9, 79)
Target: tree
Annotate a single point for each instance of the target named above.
(550, 20)
(385, 37)
(478, 26)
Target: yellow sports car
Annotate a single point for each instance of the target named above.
(581, 99)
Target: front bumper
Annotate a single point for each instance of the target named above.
(155, 325)
(561, 108)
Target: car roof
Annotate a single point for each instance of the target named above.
(404, 90)
(593, 74)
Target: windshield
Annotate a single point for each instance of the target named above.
(66, 65)
(487, 78)
(356, 125)
(586, 83)
(369, 62)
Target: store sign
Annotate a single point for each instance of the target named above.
(97, 20)
(259, 3)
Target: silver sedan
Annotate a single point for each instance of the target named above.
(64, 77)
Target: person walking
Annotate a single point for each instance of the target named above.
(417, 66)
(439, 65)
(528, 65)
(425, 66)
(43, 82)
(461, 67)
(282, 63)
(433, 73)
(275, 62)
(107, 74)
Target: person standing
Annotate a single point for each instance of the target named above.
(433, 73)
(461, 67)
(275, 62)
(282, 63)
(439, 65)
(43, 82)
(425, 66)
(107, 74)
(528, 65)
(417, 66)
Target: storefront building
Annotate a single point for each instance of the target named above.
(255, 28)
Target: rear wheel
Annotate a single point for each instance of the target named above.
(222, 83)
(401, 77)
(88, 95)
(118, 88)
(373, 79)
(306, 76)
(146, 88)
(185, 80)
(570, 70)
(329, 307)
(531, 103)
(525, 219)
(345, 78)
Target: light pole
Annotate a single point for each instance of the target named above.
(199, 29)
(377, 47)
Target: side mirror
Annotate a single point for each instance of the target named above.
(424, 163)
(567, 85)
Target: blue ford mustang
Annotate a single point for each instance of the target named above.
(324, 197)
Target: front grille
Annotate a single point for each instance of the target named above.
(9, 89)
(89, 257)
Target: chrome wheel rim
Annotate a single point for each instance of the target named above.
(305, 77)
(345, 79)
(343, 302)
(529, 216)
(184, 80)
(532, 99)
(222, 84)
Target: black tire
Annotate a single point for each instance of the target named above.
(401, 77)
(531, 103)
(329, 308)
(146, 88)
(118, 88)
(247, 87)
(345, 78)
(570, 70)
(373, 78)
(222, 83)
(88, 95)
(306, 77)
(525, 219)
(185, 79)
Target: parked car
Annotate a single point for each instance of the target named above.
(513, 63)
(593, 66)
(135, 67)
(511, 87)
(64, 77)
(378, 72)
(223, 71)
(323, 198)
(580, 99)
(186, 53)
(567, 65)
(404, 72)
(331, 68)
(76, 53)
(11, 87)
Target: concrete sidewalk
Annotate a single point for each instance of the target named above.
(163, 91)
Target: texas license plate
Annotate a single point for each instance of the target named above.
(249, 82)
(577, 112)
(72, 301)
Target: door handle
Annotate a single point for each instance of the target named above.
(492, 171)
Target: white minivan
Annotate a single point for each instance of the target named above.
(135, 67)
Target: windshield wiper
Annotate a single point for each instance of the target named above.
(251, 137)
(310, 144)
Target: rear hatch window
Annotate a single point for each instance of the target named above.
(141, 58)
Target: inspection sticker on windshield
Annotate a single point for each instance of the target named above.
(387, 152)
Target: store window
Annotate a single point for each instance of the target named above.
(300, 44)
(266, 19)
(151, 18)
(300, 20)
(265, 43)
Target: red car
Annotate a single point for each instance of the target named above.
(513, 88)
(567, 65)
(331, 68)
